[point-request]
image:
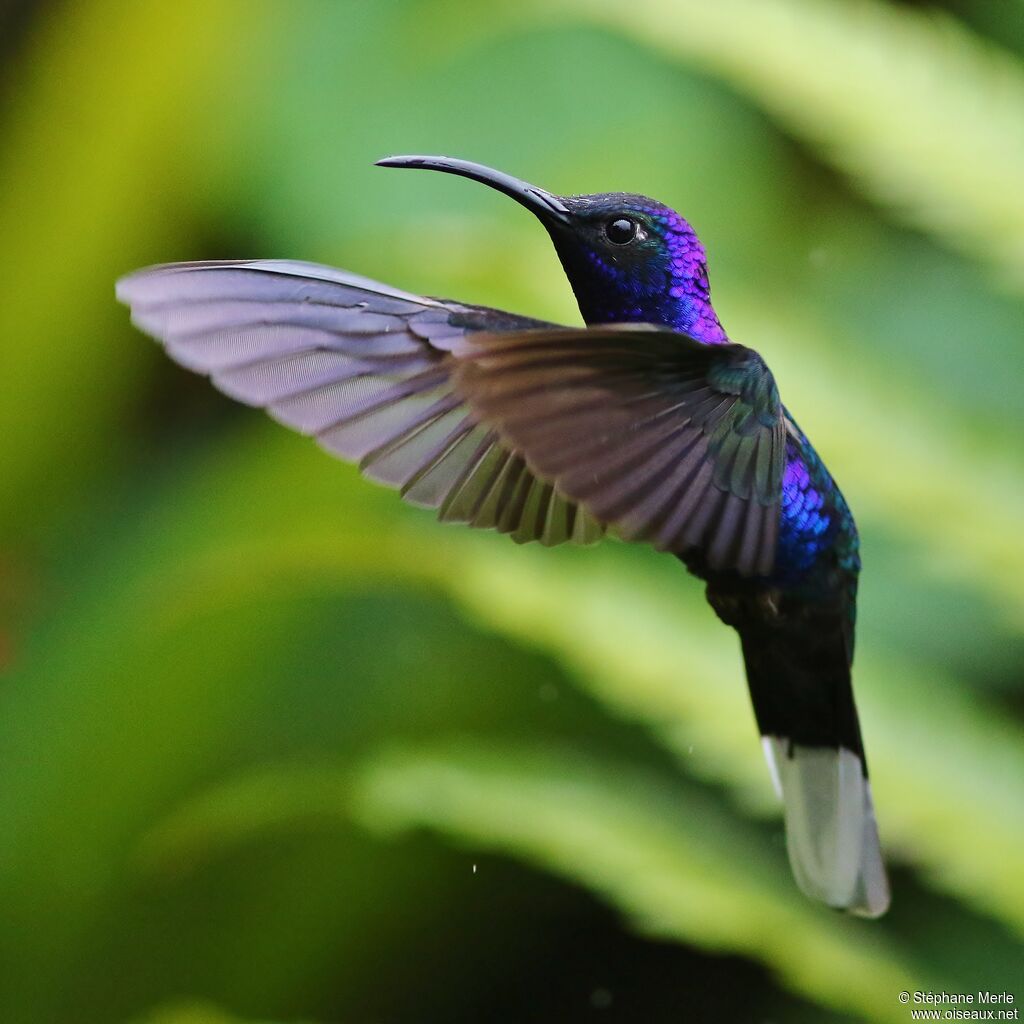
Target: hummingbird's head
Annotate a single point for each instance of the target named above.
(629, 259)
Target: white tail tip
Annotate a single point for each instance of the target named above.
(831, 832)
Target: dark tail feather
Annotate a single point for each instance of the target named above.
(800, 685)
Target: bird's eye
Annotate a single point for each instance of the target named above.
(621, 230)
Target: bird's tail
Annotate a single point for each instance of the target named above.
(803, 700)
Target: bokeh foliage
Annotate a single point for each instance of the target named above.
(275, 747)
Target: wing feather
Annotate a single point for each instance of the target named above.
(497, 421)
(667, 440)
(364, 368)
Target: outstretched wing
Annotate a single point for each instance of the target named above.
(364, 368)
(670, 441)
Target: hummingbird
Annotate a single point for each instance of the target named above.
(650, 423)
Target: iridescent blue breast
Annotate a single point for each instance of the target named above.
(816, 527)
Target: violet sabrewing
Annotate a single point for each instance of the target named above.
(650, 422)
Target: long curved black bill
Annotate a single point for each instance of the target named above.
(544, 205)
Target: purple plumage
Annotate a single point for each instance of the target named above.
(660, 279)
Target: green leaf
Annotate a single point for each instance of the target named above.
(946, 768)
(659, 850)
(639, 637)
(924, 116)
(675, 863)
(633, 631)
(182, 1012)
(92, 164)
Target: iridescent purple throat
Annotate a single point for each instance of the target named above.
(690, 294)
(673, 290)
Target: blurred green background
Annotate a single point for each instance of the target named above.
(274, 747)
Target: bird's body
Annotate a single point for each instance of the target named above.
(651, 422)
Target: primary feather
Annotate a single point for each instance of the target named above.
(364, 368)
